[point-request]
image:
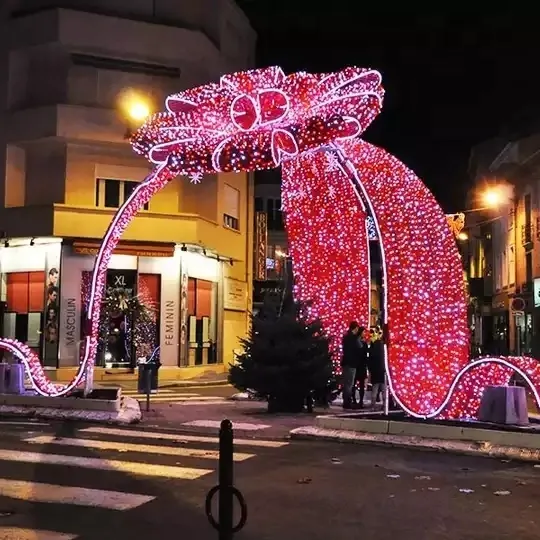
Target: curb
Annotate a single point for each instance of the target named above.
(483, 449)
(171, 384)
(130, 413)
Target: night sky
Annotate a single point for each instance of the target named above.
(451, 80)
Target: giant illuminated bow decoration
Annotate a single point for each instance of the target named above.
(332, 181)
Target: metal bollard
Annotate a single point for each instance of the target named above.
(226, 489)
(148, 379)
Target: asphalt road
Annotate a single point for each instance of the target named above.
(97, 483)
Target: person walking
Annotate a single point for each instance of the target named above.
(349, 362)
(376, 365)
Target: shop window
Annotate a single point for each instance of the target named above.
(24, 292)
(259, 204)
(112, 193)
(202, 322)
(149, 295)
(231, 208)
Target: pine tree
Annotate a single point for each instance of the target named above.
(285, 358)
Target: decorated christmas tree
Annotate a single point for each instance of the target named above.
(285, 358)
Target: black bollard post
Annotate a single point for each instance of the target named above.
(226, 474)
(226, 490)
(148, 379)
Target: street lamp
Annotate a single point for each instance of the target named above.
(135, 108)
(462, 236)
(492, 198)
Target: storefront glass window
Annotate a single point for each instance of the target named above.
(29, 291)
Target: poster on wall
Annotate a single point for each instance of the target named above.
(52, 311)
(120, 313)
(183, 314)
(235, 295)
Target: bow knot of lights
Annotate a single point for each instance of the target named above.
(338, 192)
(257, 119)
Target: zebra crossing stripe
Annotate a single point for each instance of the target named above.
(180, 438)
(131, 447)
(50, 493)
(129, 467)
(17, 533)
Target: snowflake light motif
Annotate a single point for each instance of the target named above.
(196, 177)
(333, 162)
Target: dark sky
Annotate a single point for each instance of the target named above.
(451, 79)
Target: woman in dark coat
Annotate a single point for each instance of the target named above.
(361, 368)
(376, 364)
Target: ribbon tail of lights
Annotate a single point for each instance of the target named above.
(332, 183)
(125, 214)
(327, 244)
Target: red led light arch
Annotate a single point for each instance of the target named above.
(332, 181)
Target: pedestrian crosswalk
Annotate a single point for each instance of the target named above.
(169, 395)
(101, 469)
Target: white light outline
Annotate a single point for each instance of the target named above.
(278, 153)
(225, 82)
(286, 107)
(161, 146)
(279, 75)
(216, 154)
(185, 101)
(197, 130)
(359, 129)
(353, 79)
(350, 96)
(234, 115)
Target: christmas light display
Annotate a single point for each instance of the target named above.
(338, 193)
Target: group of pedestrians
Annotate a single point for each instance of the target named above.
(363, 354)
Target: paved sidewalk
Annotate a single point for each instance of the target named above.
(132, 384)
(250, 419)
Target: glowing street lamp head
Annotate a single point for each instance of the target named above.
(135, 106)
(462, 236)
(492, 197)
(139, 111)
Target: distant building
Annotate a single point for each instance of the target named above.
(503, 249)
(65, 167)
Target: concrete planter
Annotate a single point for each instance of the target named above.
(32, 400)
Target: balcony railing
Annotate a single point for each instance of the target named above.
(527, 234)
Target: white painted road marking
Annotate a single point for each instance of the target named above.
(181, 437)
(142, 469)
(50, 493)
(15, 533)
(131, 447)
(217, 423)
(13, 423)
